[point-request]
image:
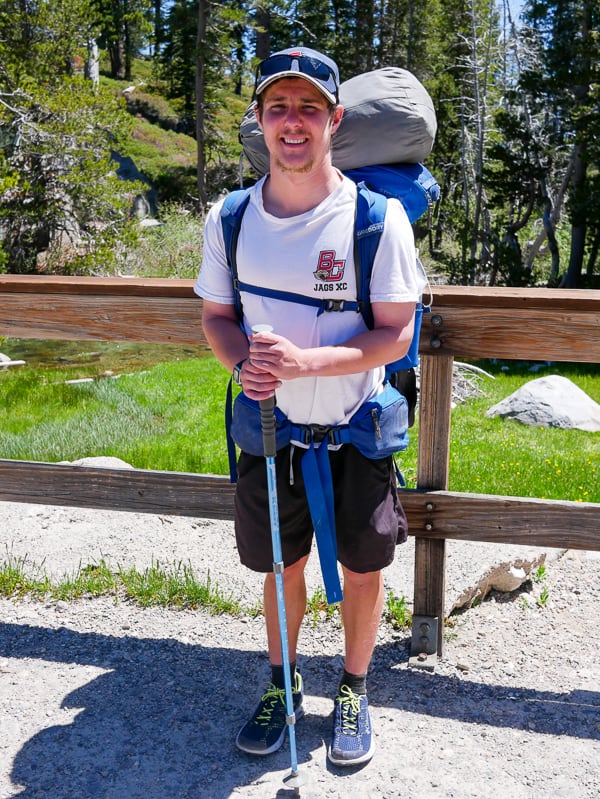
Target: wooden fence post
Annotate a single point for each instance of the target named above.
(435, 404)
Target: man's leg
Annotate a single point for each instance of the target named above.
(265, 731)
(361, 611)
(353, 742)
(294, 586)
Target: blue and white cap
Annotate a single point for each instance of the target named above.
(300, 62)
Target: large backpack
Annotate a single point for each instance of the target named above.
(388, 118)
(401, 110)
(369, 223)
(370, 219)
(389, 106)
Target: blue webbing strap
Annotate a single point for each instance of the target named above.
(318, 482)
(290, 296)
(370, 216)
(231, 453)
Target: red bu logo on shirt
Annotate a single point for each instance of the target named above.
(328, 268)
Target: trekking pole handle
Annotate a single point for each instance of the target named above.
(267, 410)
(268, 425)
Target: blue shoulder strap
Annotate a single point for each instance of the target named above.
(370, 216)
(232, 212)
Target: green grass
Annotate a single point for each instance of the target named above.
(507, 458)
(396, 611)
(171, 417)
(175, 586)
(496, 456)
(171, 250)
(168, 158)
(318, 608)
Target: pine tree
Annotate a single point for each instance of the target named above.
(58, 189)
(566, 81)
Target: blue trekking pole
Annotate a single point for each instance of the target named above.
(268, 426)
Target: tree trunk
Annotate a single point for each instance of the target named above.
(591, 264)
(116, 52)
(263, 33)
(555, 212)
(203, 16)
(128, 47)
(572, 278)
(158, 26)
(579, 198)
(92, 65)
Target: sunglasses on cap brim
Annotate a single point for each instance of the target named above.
(303, 64)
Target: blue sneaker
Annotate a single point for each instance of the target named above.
(353, 741)
(265, 731)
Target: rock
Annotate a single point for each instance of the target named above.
(551, 401)
(507, 580)
(102, 462)
(493, 568)
(143, 204)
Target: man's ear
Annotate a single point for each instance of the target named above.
(338, 113)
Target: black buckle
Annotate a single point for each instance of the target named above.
(315, 432)
(319, 432)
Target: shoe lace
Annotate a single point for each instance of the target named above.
(269, 699)
(350, 708)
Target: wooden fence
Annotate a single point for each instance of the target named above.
(466, 322)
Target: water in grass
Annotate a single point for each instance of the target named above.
(91, 358)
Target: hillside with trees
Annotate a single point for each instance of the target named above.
(87, 84)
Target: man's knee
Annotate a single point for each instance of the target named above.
(361, 580)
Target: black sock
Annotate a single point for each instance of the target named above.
(356, 682)
(277, 675)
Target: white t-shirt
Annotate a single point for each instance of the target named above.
(312, 254)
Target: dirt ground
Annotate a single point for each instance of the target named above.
(100, 699)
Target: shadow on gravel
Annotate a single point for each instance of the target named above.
(161, 723)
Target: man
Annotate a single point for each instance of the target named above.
(297, 235)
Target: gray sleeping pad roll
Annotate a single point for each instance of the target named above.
(388, 106)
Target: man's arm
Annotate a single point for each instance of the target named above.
(388, 341)
(229, 344)
(223, 333)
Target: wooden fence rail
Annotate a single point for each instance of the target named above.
(465, 322)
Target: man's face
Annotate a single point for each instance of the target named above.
(297, 125)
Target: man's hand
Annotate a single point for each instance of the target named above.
(258, 382)
(276, 355)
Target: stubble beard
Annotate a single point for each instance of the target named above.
(298, 170)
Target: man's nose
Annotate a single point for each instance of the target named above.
(293, 116)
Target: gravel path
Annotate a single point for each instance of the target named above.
(102, 700)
